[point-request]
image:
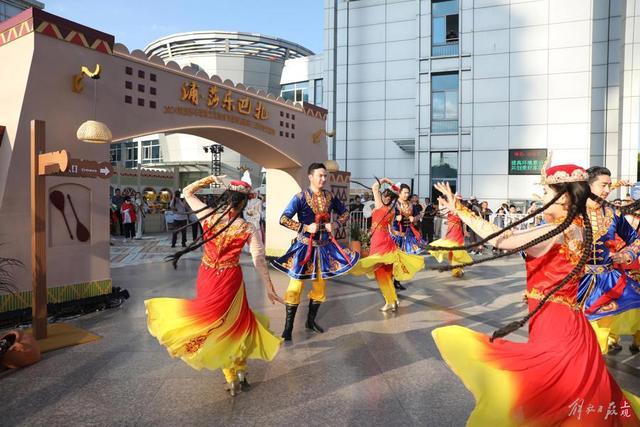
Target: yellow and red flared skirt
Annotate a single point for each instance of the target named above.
(458, 257)
(215, 330)
(404, 265)
(557, 378)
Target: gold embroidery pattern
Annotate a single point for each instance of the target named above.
(319, 202)
(290, 223)
(537, 295)
(596, 269)
(612, 306)
(406, 210)
(635, 247)
(237, 230)
(316, 243)
(572, 244)
(206, 260)
(195, 343)
(600, 222)
(288, 264)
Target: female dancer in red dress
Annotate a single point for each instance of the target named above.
(558, 377)
(217, 329)
(454, 237)
(386, 261)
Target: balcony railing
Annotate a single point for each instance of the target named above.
(444, 126)
(450, 48)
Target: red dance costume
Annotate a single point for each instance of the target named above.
(217, 329)
(454, 237)
(386, 261)
(558, 377)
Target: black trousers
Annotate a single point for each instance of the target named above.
(129, 230)
(428, 230)
(196, 229)
(177, 224)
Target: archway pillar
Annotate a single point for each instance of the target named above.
(282, 185)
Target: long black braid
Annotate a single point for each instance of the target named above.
(197, 211)
(629, 209)
(229, 201)
(552, 233)
(497, 233)
(579, 193)
(577, 270)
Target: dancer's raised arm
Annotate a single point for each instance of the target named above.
(507, 240)
(375, 188)
(194, 202)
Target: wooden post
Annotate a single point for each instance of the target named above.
(38, 235)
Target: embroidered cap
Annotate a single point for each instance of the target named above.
(240, 187)
(395, 188)
(564, 173)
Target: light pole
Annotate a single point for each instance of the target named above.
(216, 151)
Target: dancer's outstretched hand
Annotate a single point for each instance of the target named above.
(449, 199)
(273, 296)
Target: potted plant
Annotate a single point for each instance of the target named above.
(365, 242)
(6, 277)
(356, 238)
(17, 349)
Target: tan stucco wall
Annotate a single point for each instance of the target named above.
(47, 96)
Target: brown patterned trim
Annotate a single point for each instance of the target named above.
(15, 32)
(314, 111)
(54, 26)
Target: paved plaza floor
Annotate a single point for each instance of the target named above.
(368, 368)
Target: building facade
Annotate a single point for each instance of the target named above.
(254, 60)
(474, 91)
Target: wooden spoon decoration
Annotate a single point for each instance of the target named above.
(57, 199)
(81, 231)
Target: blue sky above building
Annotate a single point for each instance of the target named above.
(137, 23)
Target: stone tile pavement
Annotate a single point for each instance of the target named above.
(367, 369)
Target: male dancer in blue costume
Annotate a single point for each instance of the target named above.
(315, 254)
(403, 230)
(609, 296)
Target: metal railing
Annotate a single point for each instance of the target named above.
(447, 49)
(357, 218)
(444, 126)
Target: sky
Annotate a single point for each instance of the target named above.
(136, 23)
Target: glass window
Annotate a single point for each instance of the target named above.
(444, 103)
(317, 91)
(444, 7)
(444, 27)
(151, 151)
(8, 11)
(296, 92)
(131, 154)
(116, 153)
(444, 167)
(444, 81)
(439, 30)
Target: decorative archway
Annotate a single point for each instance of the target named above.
(41, 56)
